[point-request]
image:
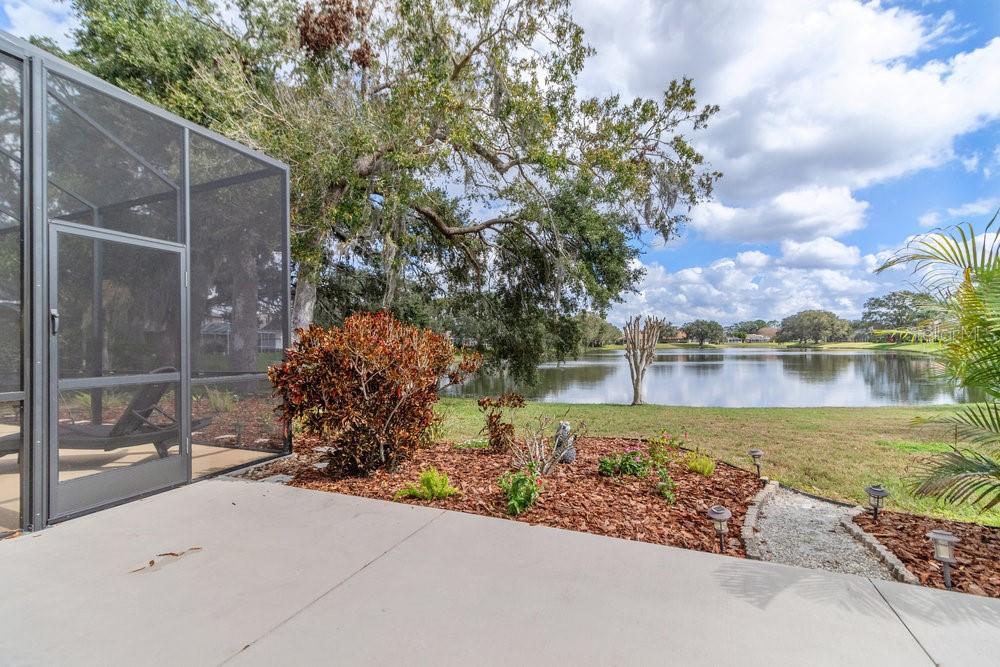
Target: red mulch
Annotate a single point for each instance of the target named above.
(573, 496)
(978, 567)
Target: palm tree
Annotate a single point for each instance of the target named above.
(960, 274)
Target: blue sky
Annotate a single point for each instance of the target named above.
(845, 128)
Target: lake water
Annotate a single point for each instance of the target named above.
(739, 377)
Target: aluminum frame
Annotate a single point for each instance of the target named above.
(39, 468)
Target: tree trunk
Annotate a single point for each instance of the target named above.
(640, 347)
(637, 389)
(303, 305)
(244, 325)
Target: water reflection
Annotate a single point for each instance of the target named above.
(740, 377)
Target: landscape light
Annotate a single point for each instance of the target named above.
(944, 551)
(876, 496)
(757, 455)
(720, 516)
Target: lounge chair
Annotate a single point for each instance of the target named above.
(134, 427)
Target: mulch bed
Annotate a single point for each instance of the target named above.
(249, 424)
(573, 496)
(978, 567)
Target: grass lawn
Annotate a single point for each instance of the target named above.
(831, 452)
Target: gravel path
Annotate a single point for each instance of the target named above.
(799, 530)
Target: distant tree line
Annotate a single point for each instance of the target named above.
(883, 316)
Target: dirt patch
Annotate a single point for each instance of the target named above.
(977, 570)
(574, 496)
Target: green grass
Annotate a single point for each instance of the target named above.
(831, 452)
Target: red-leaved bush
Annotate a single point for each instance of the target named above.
(367, 387)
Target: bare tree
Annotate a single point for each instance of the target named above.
(640, 346)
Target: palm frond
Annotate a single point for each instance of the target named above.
(962, 476)
(976, 423)
(947, 250)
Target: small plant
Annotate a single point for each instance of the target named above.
(220, 400)
(521, 488)
(500, 433)
(434, 431)
(631, 463)
(666, 487)
(608, 466)
(473, 443)
(432, 485)
(701, 464)
(658, 454)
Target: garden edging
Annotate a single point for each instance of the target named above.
(751, 540)
(896, 567)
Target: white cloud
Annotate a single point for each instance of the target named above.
(973, 208)
(828, 95)
(929, 219)
(803, 214)
(753, 259)
(748, 287)
(971, 162)
(986, 206)
(823, 252)
(45, 18)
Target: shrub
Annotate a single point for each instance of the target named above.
(432, 485)
(521, 488)
(701, 464)
(500, 433)
(666, 487)
(631, 462)
(367, 387)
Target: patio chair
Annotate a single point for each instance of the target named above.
(134, 427)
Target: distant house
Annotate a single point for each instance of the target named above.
(769, 333)
(216, 335)
(758, 338)
(678, 337)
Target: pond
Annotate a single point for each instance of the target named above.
(739, 378)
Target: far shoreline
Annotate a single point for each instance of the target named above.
(914, 348)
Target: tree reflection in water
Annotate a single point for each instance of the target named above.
(739, 377)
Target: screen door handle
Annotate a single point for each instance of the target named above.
(54, 319)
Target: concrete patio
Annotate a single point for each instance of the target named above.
(267, 574)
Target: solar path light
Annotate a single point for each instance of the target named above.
(720, 516)
(944, 551)
(876, 497)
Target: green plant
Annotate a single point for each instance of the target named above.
(960, 273)
(521, 488)
(666, 486)
(659, 449)
(631, 462)
(434, 430)
(701, 464)
(220, 400)
(432, 485)
(367, 387)
(473, 443)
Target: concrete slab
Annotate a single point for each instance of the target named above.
(954, 628)
(474, 590)
(235, 571)
(69, 595)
